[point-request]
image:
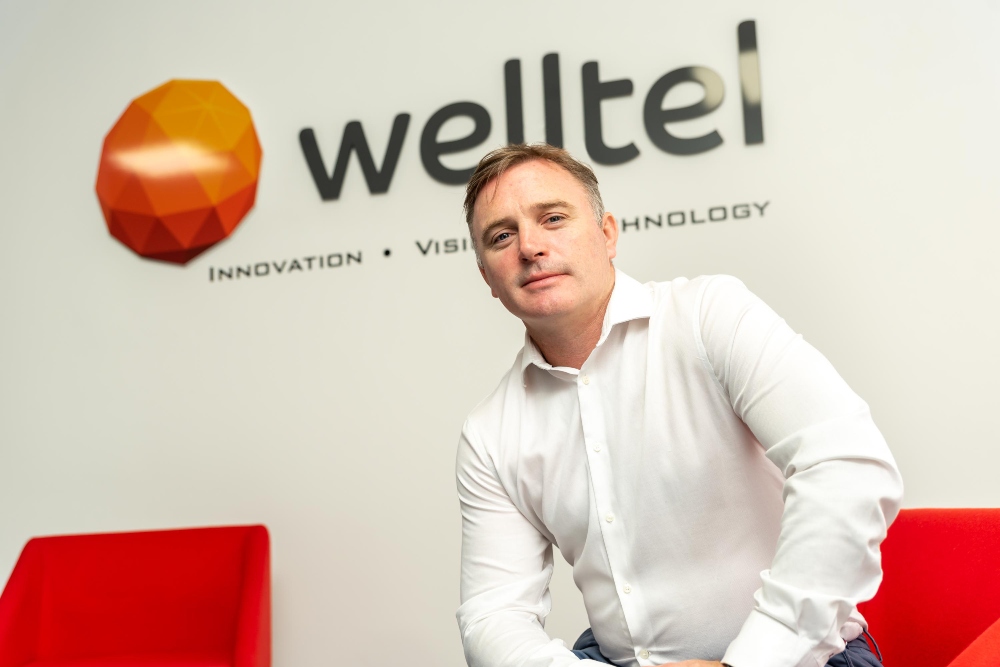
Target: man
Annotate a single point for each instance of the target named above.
(718, 489)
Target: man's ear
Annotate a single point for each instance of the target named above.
(609, 227)
(482, 272)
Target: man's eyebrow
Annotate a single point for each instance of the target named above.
(556, 203)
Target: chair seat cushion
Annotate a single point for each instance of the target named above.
(142, 660)
(984, 652)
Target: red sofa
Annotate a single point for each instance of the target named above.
(939, 602)
(173, 598)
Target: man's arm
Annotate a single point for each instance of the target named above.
(506, 569)
(842, 488)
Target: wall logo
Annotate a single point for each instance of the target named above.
(179, 170)
(658, 121)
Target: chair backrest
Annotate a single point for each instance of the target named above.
(148, 592)
(941, 586)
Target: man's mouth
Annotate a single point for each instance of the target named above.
(541, 279)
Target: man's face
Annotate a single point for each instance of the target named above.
(543, 253)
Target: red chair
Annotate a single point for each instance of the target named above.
(173, 598)
(939, 603)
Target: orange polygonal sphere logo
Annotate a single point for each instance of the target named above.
(179, 170)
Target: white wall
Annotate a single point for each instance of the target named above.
(135, 394)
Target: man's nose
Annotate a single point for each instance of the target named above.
(530, 243)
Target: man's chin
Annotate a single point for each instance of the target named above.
(541, 310)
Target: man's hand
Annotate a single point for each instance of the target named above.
(694, 663)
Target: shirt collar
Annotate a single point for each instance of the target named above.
(630, 300)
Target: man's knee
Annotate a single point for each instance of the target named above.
(856, 654)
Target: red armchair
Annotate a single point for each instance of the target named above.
(939, 603)
(173, 598)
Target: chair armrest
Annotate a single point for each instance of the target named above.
(253, 626)
(983, 652)
(21, 609)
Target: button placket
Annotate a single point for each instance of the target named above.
(594, 433)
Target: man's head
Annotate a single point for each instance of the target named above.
(542, 238)
(496, 162)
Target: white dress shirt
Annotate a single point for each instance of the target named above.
(717, 488)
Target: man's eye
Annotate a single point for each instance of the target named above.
(554, 218)
(502, 236)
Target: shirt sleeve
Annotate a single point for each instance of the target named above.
(841, 490)
(506, 569)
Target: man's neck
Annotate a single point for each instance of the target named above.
(569, 343)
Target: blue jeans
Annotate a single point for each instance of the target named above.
(856, 654)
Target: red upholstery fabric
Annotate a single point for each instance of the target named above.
(142, 660)
(941, 589)
(984, 652)
(175, 598)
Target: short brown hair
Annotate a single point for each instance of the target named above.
(496, 162)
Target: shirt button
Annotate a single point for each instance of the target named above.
(585, 379)
(597, 448)
(644, 654)
(609, 517)
(626, 589)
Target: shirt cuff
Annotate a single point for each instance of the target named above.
(764, 642)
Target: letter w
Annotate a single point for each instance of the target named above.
(378, 180)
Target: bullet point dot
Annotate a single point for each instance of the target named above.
(386, 252)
